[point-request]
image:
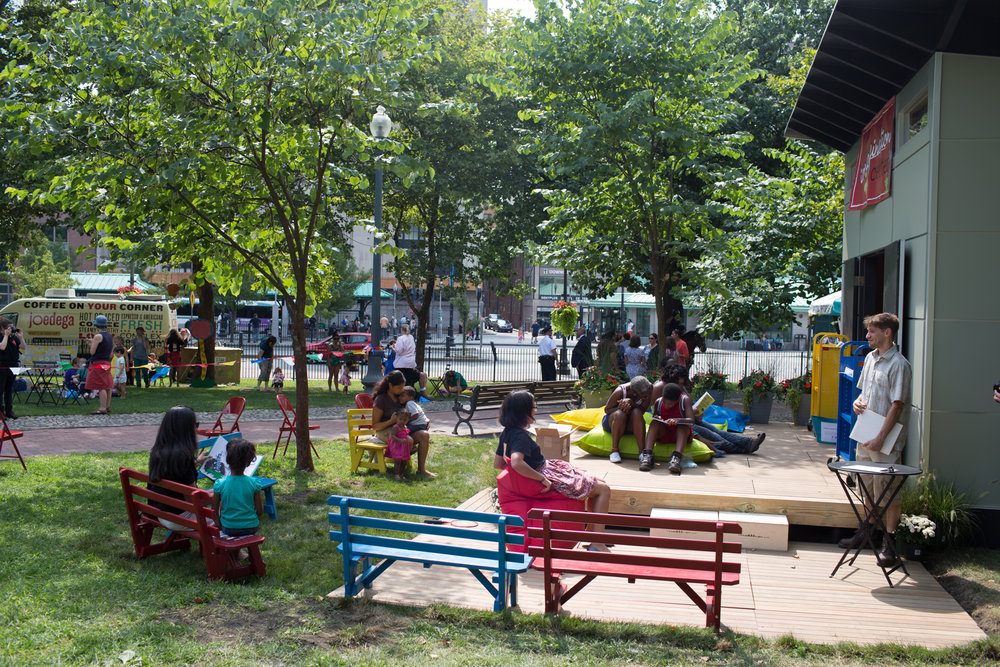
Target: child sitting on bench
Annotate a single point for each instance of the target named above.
(238, 500)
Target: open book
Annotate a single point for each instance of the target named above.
(702, 403)
(216, 467)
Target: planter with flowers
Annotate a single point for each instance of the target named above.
(914, 535)
(596, 387)
(797, 395)
(758, 389)
(564, 317)
(712, 382)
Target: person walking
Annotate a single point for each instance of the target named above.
(547, 355)
(535, 327)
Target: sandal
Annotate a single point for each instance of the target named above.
(99, 412)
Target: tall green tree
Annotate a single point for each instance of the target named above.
(238, 125)
(35, 271)
(630, 101)
(458, 221)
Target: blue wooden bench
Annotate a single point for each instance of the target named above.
(477, 541)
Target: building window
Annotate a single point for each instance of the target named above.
(915, 116)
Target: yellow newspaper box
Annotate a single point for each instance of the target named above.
(826, 385)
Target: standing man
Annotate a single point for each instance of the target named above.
(583, 356)
(547, 355)
(535, 326)
(629, 326)
(384, 326)
(885, 390)
(683, 354)
(406, 361)
(11, 347)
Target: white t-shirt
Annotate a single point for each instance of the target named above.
(546, 347)
(415, 409)
(406, 352)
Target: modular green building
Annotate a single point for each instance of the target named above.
(922, 225)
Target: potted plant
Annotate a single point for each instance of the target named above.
(564, 317)
(915, 533)
(948, 508)
(711, 381)
(796, 394)
(596, 387)
(757, 389)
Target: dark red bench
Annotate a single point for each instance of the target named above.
(220, 553)
(711, 563)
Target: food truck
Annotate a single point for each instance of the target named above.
(56, 327)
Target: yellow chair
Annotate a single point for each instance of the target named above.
(364, 454)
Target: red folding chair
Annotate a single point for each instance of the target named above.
(234, 406)
(12, 436)
(288, 426)
(364, 401)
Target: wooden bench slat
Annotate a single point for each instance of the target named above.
(425, 510)
(652, 541)
(374, 542)
(678, 573)
(516, 564)
(423, 528)
(485, 396)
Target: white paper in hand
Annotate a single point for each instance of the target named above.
(868, 425)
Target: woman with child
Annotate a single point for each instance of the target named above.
(388, 395)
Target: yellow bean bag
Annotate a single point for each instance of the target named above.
(586, 418)
(598, 443)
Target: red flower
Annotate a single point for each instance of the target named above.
(757, 385)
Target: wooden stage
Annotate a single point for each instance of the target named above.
(787, 475)
(789, 593)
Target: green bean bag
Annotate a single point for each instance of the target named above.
(598, 443)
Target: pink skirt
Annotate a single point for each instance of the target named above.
(397, 450)
(99, 376)
(567, 480)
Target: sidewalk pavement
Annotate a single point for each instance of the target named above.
(133, 433)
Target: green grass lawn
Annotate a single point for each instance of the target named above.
(160, 399)
(74, 593)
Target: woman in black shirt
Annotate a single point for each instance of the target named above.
(518, 413)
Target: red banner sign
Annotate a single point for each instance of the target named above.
(873, 171)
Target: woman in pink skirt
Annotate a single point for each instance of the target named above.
(518, 413)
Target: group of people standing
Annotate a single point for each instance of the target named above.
(625, 352)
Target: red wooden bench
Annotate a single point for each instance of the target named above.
(707, 566)
(220, 553)
(6, 435)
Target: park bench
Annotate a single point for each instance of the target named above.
(220, 553)
(476, 541)
(485, 396)
(713, 563)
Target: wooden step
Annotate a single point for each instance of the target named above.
(767, 532)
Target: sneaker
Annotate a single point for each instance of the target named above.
(645, 460)
(675, 463)
(616, 457)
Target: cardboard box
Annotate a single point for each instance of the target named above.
(768, 532)
(553, 442)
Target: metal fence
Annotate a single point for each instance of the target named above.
(489, 362)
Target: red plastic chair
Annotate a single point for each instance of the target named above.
(288, 426)
(364, 401)
(12, 436)
(234, 406)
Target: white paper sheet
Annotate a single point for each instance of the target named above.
(869, 424)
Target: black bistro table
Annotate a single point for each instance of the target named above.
(46, 385)
(869, 510)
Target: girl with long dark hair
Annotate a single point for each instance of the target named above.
(174, 457)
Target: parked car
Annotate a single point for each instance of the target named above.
(351, 342)
(491, 321)
(504, 326)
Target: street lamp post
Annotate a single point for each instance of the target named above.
(380, 127)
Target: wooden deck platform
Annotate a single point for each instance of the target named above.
(779, 594)
(787, 475)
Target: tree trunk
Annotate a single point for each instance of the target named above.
(303, 451)
(423, 317)
(206, 311)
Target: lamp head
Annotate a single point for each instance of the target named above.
(381, 124)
